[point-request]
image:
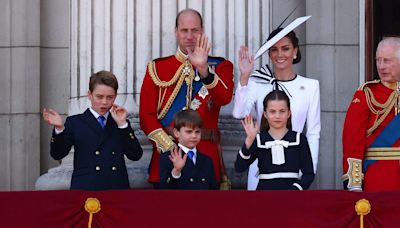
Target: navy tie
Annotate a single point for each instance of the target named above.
(102, 121)
(191, 155)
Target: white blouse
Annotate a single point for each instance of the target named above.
(304, 105)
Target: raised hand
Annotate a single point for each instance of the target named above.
(119, 114)
(53, 118)
(199, 56)
(246, 65)
(177, 160)
(251, 130)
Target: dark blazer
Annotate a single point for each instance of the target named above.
(297, 158)
(99, 153)
(193, 177)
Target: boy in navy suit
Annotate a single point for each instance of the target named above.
(101, 136)
(193, 170)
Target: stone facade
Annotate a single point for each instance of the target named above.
(50, 52)
(19, 94)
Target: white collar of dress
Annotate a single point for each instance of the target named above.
(269, 144)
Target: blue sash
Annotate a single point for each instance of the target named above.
(180, 100)
(386, 138)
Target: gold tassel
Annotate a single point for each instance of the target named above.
(92, 206)
(225, 183)
(363, 207)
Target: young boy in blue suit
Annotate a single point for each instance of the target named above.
(101, 137)
(185, 167)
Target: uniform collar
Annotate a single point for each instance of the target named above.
(390, 85)
(182, 57)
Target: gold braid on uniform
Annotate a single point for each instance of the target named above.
(354, 174)
(170, 100)
(153, 74)
(163, 141)
(184, 73)
(163, 85)
(385, 108)
(215, 81)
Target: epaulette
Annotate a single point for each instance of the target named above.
(151, 67)
(368, 83)
(215, 60)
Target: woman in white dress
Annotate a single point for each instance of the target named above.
(303, 92)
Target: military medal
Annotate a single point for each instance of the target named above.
(195, 104)
(203, 92)
(197, 77)
(186, 69)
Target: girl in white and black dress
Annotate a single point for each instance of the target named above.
(303, 92)
(281, 152)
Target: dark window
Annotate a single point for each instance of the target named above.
(382, 19)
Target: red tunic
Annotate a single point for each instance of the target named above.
(209, 106)
(383, 175)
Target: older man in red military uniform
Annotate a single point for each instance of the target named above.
(188, 79)
(371, 134)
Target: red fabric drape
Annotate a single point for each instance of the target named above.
(164, 208)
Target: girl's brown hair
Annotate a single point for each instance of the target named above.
(275, 95)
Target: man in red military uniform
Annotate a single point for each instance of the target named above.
(188, 79)
(371, 133)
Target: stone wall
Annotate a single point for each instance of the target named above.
(19, 94)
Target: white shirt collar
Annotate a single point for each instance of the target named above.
(186, 150)
(96, 115)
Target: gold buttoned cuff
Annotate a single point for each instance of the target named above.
(354, 173)
(163, 141)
